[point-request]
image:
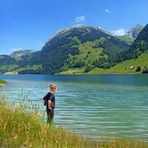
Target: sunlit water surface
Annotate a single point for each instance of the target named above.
(94, 106)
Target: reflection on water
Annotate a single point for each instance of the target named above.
(95, 106)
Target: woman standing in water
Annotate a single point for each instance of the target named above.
(49, 101)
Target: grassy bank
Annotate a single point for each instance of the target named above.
(125, 67)
(19, 129)
(3, 82)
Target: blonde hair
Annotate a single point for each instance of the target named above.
(52, 87)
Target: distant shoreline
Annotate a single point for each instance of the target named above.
(10, 73)
(96, 71)
(74, 74)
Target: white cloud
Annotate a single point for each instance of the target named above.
(119, 32)
(80, 19)
(106, 11)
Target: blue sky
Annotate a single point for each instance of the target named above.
(28, 24)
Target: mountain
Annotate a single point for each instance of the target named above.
(130, 35)
(134, 60)
(80, 46)
(19, 61)
(139, 46)
(141, 42)
(134, 32)
(126, 38)
(20, 53)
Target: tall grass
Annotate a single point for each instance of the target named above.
(20, 129)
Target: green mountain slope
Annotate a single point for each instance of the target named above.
(139, 46)
(24, 61)
(128, 66)
(79, 47)
(135, 59)
(126, 38)
(20, 53)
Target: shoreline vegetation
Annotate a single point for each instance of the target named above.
(132, 66)
(21, 129)
(96, 71)
(3, 82)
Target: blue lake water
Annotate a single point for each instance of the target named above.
(91, 105)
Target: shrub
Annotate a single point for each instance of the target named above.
(145, 71)
(138, 69)
(3, 82)
(79, 64)
(89, 68)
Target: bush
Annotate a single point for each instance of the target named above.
(138, 69)
(3, 82)
(79, 64)
(89, 68)
(145, 71)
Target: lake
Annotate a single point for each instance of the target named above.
(91, 105)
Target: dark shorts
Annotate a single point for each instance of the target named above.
(50, 113)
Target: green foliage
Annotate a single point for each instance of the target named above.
(145, 70)
(8, 68)
(125, 67)
(3, 81)
(96, 53)
(87, 55)
(138, 69)
(126, 38)
(113, 46)
(89, 68)
(32, 69)
(79, 64)
(20, 53)
(6, 60)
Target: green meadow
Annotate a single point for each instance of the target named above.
(126, 67)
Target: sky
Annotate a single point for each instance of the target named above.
(28, 24)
